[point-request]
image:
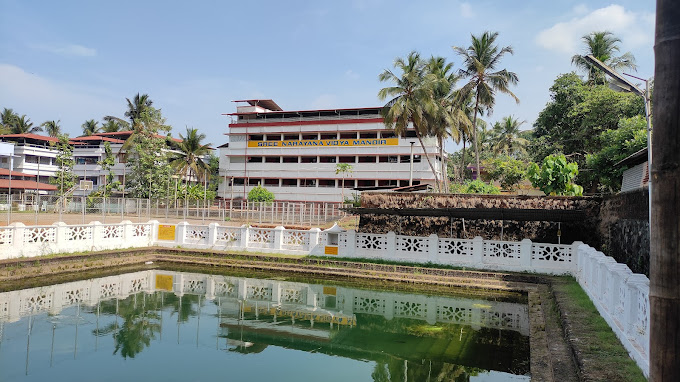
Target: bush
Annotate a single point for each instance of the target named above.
(260, 194)
(474, 187)
(509, 172)
(555, 176)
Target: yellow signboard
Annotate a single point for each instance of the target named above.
(166, 232)
(164, 282)
(330, 291)
(326, 143)
(331, 250)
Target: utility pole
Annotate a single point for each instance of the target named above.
(664, 293)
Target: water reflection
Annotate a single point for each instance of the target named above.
(404, 337)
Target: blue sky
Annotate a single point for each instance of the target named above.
(79, 60)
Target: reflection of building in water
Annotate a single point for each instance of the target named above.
(252, 314)
(317, 304)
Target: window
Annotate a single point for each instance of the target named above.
(272, 159)
(254, 159)
(388, 182)
(256, 137)
(387, 134)
(326, 182)
(368, 135)
(310, 137)
(347, 160)
(307, 159)
(348, 183)
(367, 159)
(366, 183)
(271, 182)
(254, 182)
(288, 182)
(239, 181)
(411, 134)
(291, 137)
(327, 159)
(273, 137)
(348, 135)
(329, 136)
(290, 159)
(237, 159)
(307, 182)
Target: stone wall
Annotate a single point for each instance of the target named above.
(545, 232)
(624, 227)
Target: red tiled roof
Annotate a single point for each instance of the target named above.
(5, 171)
(31, 136)
(97, 138)
(26, 185)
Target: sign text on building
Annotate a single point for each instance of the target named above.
(326, 143)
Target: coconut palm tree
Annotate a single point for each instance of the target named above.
(449, 119)
(111, 126)
(23, 125)
(506, 139)
(52, 128)
(188, 158)
(410, 99)
(8, 118)
(480, 61)
(136, 107)
(603, 46)
(90, 127)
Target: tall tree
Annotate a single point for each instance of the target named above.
(23, 125)
(90, 127)
(187, 159)
(8, 118)
(506, 137)
(410, 100)
(65, 179)
(603, 46)
(664, 293)
(111, 126)
(52, 128)
(137, 107)
(448, 119)
(480, 61)
(343, 169)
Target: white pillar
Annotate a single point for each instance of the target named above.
(244, 236)
(433, 248)
(525, 254)
(478, 251)
(181, 232)
(391, 246)
(351, 249)
(212, 234)
(278, 237)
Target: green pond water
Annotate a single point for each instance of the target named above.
(158, 325)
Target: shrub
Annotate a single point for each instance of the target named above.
(555, 176)
(474, 187)
(260, 194)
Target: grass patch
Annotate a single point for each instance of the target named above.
(601, 354)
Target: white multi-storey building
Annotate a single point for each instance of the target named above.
(295, 154)
(34, 158)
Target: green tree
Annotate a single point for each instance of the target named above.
(8, 118)
(480, 61)
(476, 186)
(90, 127)
(22, 125)
(555, 176)
(65, 178)
(506, 139)
(604, 46)
(106, 164)
(410, 100)
(111, 125)
(617, 145)
(343, 169)
(187, 159)
(52, 128)
(509, 172)
(260, 194)
(148, 167)
(448, 118)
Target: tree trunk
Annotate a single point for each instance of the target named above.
(462, 161)
(664, 296)
(474, 135)
(445, 176)
(434, 172)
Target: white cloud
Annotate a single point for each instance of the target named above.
(69, 50)
(466, 10)
(634, 29)
(581, 9)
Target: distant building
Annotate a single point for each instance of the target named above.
(294, 154)
(33, 164)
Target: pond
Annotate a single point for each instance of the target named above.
(179, 326)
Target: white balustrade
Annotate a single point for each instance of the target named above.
(621, 297)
